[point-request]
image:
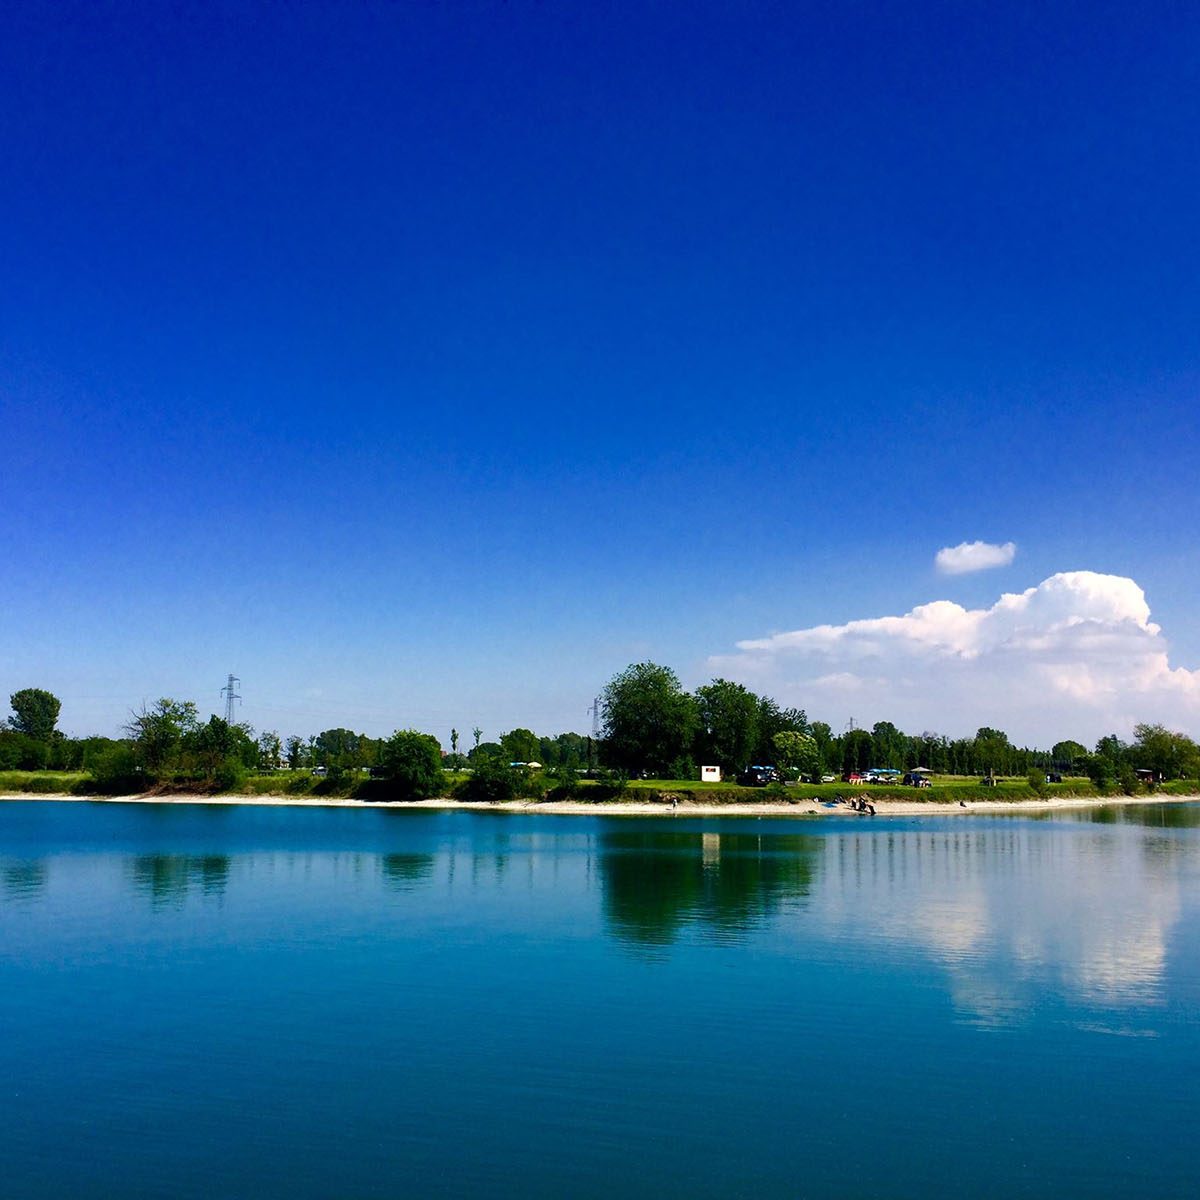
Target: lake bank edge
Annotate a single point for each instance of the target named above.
(634, 808)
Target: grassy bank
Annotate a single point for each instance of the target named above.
(944, 789)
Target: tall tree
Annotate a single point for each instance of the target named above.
(36, 713)
(649, 720)
(728, 734)
(269, 749)
(889, 745)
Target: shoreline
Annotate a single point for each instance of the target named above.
(633, 808)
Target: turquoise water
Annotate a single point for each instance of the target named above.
(204, 1001)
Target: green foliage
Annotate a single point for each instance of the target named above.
(565, 783)
(649, 720)
(728, 734)
(1037, 782)
(157, 733)
(772, 720)
(491, 782)
(858, 750)
(797, 751)
(412, 763)
(116, 772)
(1068, 755)
(1170, 755)
(270, 750)
(338, 750)
(520, 745)
(565, 750)
(35, 713)
(20, 752)
(483, 750)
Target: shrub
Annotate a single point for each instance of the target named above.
(228, 776)
(115, 771)
(1127, 778)
(491, 782)
(565, 784)
(1037, 782)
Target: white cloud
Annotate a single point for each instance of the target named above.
(1077, 656)
(973, 556)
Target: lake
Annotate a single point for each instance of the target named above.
(212, 1001)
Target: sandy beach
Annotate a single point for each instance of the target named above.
(633, 808)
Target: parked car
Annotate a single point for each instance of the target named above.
(759, 776)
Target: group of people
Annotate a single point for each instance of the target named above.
(861, 804)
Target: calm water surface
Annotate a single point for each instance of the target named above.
(202, 1001)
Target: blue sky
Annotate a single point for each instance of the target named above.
(425, 365)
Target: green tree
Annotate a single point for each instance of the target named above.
(215, 747)
(1068, 755)
(823, 736)
(36, 713)
(338, 750)
(889, 744)
(296, 752)
(858, 750)
(772, 720)
(270, 750)
(798, 751)
(1170, 755)
(728, 734)
(993, 751)
(157, 733)
(413, 763)
(649, 720)
(520, 745)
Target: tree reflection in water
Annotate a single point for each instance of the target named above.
(23, 879)
(167, 878)
(404, 871)
(655, 883)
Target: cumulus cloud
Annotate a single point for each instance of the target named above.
(1076, 656)
(973, 556)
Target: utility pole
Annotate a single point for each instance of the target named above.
(231, 694)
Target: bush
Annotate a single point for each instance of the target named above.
(565, 784)
(1037, 782)
(228, 776)
(115, 771)
(1127, 778)
(491, 782)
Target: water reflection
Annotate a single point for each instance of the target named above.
(168, 878)
(1013, 916)
(404, 871)
(23, 879)
(654, 883)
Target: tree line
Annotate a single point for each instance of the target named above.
(650, 726)
(653, 726)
